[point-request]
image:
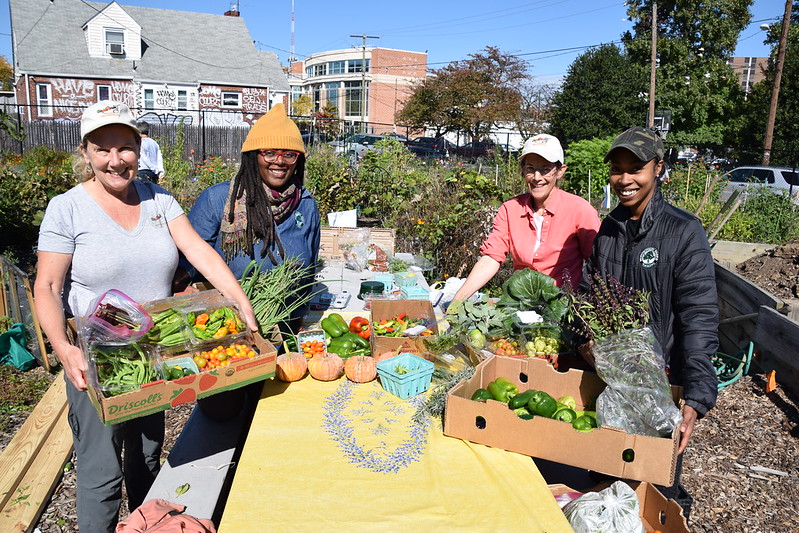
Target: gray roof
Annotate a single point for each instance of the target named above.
(177, 46)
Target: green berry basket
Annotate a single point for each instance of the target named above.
(405, 375)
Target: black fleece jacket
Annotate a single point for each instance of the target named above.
(670, 258)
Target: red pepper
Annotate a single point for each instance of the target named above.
(401, 316)
(360, 326)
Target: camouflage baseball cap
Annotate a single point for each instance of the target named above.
(644, 143)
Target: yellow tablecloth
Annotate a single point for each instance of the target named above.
(338, 456)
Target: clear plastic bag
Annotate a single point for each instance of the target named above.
(615, 509)
(114, 317)
(638, 395)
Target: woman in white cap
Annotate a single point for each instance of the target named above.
(113, 232)
(545, 229)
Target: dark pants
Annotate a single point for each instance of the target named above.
(147, 175)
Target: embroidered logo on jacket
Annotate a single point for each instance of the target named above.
(649, 257)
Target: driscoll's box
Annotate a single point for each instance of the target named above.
(607, 450)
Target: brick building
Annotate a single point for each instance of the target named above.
(338, 77)
(750, 70)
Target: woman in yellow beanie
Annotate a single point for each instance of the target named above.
(264, 213)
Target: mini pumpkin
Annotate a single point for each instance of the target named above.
(360, 368)
(326, 367)
(291, 366)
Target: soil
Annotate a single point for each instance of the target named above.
(741, 467)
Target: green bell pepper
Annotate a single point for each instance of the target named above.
(342, 347)
(523, 413)
(565, 414)
(584, 423)
(481, 395)
(542, 404)
(334, 325)
(502, 390)
(521, 399)
(568, 401)
(359, 342)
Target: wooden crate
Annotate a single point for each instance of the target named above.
(335, 240)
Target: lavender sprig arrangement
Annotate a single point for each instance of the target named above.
(608, 307)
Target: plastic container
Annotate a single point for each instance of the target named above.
(242, 334)
(223, 353)
(415, 380)
(386, 279)
(101, 371)
(405, 279)
(186, 364)
(371, 288)
(415, 293)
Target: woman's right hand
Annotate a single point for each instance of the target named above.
(74, 364)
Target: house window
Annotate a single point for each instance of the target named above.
(114, 41)
(149, 99)
(103, 92)
(44, 100)
(183, 100)
(231, 99)
(335, 67)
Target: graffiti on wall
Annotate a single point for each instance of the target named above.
(124, 92)
(166, 118)
(72, 96)
(166, 98)
(219, 117)
(255, 100)
(210, 97)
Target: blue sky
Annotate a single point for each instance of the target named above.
(548, 33)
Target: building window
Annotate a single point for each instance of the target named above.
(44, 100)
(183, 100)
(103, 92)
(352, 98)
(331, 93)
(354, 65)
(149, 99)
(316, 96)
(320, 70)
(335, 67)
(114, 41)
(296, 92)
(308, 71)
(231, 99)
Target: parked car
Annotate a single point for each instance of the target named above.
(777, 179)
(477, 149)
(431, 148)
(316, 138)
(357, 144)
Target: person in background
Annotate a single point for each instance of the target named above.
(545, 229)
(151, 162)
(264, 214)
(113, 231)
(650, 245)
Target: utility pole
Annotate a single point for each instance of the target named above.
(363, 77)
(775, 89)
(653, 66)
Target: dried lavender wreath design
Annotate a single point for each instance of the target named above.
(380, 413)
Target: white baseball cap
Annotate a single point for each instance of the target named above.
(104, 113)
(547, 146)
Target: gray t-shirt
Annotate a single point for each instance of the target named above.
(140, 263)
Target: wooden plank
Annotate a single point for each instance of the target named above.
(777, 340)
(31, 437)
(334, 240)
(39, 481)
(45, 359)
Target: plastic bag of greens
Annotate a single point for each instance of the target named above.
(615, 509)
(114, 317)
(638, 395)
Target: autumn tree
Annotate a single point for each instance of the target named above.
(535, 114)
(695, 41)
(6, 74)
(471, 96)
(601, 95)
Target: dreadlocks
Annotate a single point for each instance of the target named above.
(260, 221)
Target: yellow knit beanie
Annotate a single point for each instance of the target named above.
(274, 131)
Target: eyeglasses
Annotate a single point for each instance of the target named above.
(544, 171)
(289, 156)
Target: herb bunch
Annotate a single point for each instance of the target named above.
(608, 307)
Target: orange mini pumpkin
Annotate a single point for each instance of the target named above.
(326, 367)
(291, 366)
(360, 368)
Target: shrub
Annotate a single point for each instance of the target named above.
(330, 180)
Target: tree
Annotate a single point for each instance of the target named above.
(471, 96)
(535, 113)
(695, 41)
(6, 74)
(752, 126)
(600, 96)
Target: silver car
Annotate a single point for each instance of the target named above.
(777, 179)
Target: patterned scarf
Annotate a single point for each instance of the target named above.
(233, 235)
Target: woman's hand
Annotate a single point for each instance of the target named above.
(71, 358)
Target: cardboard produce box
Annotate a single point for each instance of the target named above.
(388, 309)
(607, 450)
(657, 513)
(162, 394)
